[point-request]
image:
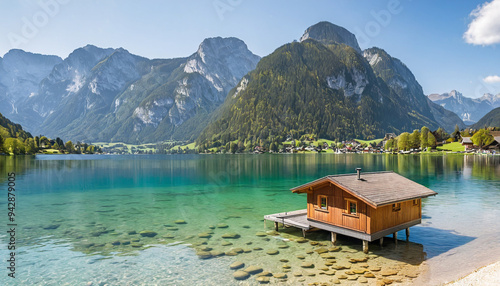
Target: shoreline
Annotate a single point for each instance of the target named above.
(486, 275)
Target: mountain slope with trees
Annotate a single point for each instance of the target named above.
(326, 90)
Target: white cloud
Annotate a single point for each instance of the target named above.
(492, 79)
(485, 26)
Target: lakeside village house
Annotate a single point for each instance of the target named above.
(495, 145)
(366, 206)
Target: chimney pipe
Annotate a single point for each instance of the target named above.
(359, 173)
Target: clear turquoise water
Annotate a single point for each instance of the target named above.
(71, 208)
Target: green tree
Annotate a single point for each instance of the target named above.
(70, 147)
(431, 140)
(482, 138)
(391, 144)
(424, 134)
(415, 139)
(2, 141)
(30, 148)
(456, 133)
(228, 147)
(273, 147)
(404, 141)
(14, 146)
(233, 147)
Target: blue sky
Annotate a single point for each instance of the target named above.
(428, 36)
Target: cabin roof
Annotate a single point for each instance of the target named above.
(466, 140)
(375, 188)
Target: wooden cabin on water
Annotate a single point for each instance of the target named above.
(368, 206)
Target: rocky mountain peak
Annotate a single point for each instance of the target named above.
(222, 61)
(328, 33)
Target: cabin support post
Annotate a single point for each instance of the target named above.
(303, 232)
(276, 225)
(365, 246)
(395, 235)
(381, 241)
(334, 238)
(407, 234)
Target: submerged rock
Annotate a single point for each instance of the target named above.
(263, 279)
(257, 248)
(51, 226)
(265, 273)
(272, 252)
(231, 235)
(222, 225)
(272, 232)
(237, 250)
(226, 243)
(301, 240)
(334, 249)
(204, 235)
(240, 275)
(204, 254)
(280, 275)
(388, 272)
(116, 242)
(307, 265)
(236, 265)
(321, 250)
(217, 253)
(301, 257)
(148, 233)
(261, 234)
(253, 269)
(180, 221)
(369, 275)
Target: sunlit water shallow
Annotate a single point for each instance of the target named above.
(77, 216)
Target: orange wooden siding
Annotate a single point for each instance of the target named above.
(384, 217)
(367, 219)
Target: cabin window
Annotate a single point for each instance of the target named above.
(351, 207)
(396, 207)
(323, 202)
(416, 202)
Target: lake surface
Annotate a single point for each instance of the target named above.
(77, 215)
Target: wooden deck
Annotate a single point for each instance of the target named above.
(296, 219)
(299, 219)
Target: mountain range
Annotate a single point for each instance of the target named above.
(112, 95)
(326, 86)
(470, 110)
(323, 85)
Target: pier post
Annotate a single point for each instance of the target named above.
(264, 223)
(365, 246)
(407, 234)
(395, 235)
(276, 225)
(381, 241)
(303, 233)
(334, 238)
